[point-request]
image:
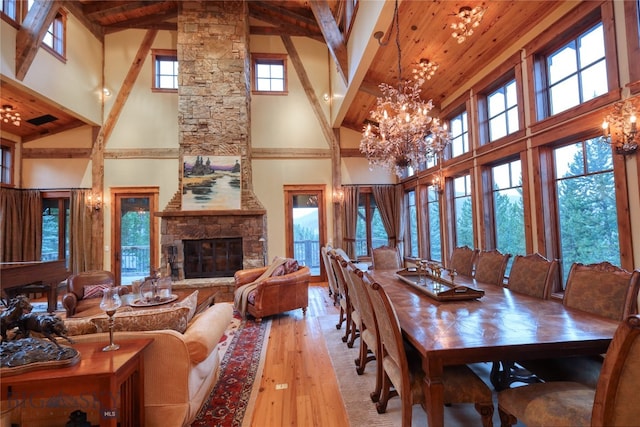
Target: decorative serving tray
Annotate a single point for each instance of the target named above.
(440, 289)
(150, 303)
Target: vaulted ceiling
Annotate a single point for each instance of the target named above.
(424, 34)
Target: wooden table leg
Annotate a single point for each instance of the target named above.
(433, 390)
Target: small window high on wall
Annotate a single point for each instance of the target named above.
(165, 70)
(269, 74)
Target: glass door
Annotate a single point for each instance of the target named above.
(306, 229)
(134, 241)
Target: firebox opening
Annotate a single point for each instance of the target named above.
(220, 257)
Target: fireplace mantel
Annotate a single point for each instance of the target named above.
(230, 212)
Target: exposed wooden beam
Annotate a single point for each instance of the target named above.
(351, 152)
(371, 88)
(33, 28)
(288, 153)
(256, 30)
(56, 153)
(49, 132)
(268, 9)
(142, 153)
(332, 36)
(76, 9)
(308, 89)
(129, 81)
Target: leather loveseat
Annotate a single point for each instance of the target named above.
(275, 294)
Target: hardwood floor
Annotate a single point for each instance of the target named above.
(298, 386)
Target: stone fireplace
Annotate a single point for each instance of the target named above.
(213, 120)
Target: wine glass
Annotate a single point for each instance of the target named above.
(109, 304)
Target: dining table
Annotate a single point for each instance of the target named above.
(494, 324)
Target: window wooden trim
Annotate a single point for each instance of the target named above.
(60, 19)
(10, 146)
(154, 54)
(255, 59)
(22, 7)
(631, 18)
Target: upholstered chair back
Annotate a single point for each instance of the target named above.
(386, 258)
(491, 266)
(331, 276)
(602, 289)
(463, 260)
(91, 280)
(533, 275)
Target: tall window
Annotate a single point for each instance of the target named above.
(269, 74)
(55, 228)
(370, 232)
(15, 10)
(459, 134)
(502, 111)
(576, 72)
(6, 163)
(432, 210)
(463, 211)
(586, 204)
(165, 70)
(508, 208)
(54, 39)
(414, 249)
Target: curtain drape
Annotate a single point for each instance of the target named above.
(80, 223)
(389, 199)
(21, 225)
(351, 195)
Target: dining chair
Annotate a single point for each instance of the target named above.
(369, 334)
(532, 275)
(601, 289)
(613, 402)
(346, 309)
(491, 266)
(402, 367)
(386, 258)
(463, 260)
(331, 275)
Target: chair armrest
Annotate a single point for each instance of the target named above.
(242, 277)
(69, 302)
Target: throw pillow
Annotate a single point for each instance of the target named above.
(146, 320)
(289, 266)
(191, 302)
(95, 291)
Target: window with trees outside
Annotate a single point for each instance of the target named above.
(270, 74)
(412, 212)
(463, 211)
(165, 70)
(577, 72)
(55, 229)
(586, 199)
(54, 38)
(432, 210)
(370, 231)
(508, 209)
(502, 111)
(459, 129)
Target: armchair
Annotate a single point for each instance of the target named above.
(275, 294)
(85, 289)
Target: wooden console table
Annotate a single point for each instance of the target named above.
(108, 376)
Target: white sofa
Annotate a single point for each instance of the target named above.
(180, 369)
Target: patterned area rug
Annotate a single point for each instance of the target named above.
(243, 349)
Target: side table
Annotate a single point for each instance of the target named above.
(114, 378)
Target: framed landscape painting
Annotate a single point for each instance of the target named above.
(211, 183)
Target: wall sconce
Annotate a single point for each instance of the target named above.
(622, 119)
(438, 182)
(106, 91)
(338, 196)
(95, 201)
(9, 115)
(468, 19)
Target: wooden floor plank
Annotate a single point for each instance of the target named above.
(297, 356)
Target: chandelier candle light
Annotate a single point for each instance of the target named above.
(9, 115)
(468, 19)
(400, 132)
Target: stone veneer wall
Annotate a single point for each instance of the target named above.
(213, 120)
